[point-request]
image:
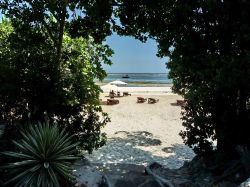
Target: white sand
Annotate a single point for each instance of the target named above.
(144, 133)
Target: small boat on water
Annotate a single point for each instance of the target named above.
(125, 77)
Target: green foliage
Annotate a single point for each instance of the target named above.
(46, 74)
(43, 157)
(77, 80)
(79, 18)
(76, 73)
(208, 45)
(36, 88)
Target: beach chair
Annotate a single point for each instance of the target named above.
(126, 94)
(103, 102)
(141, 100)
(152, 100)
(112, 101)
(119, 94)
(180, 102)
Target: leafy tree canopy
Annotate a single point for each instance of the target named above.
(207, 42)
(208, 45)
(35, 88)
(50, 54)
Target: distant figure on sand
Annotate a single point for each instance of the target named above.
(112, 94)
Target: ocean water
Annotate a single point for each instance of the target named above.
(140, 79)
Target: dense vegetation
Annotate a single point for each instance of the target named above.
(52, 52)
(208, 45)
(43, 157)
(47, 73)
(35, 88)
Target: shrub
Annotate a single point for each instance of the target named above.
(34, 87)
(43, 157)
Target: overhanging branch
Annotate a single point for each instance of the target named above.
(49, 32)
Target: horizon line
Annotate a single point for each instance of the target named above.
(135, 73)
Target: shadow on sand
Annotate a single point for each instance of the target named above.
(132, 148)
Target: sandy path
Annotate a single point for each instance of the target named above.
(143, 133)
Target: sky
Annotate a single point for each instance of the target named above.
(133, 56)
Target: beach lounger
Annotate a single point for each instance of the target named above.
(126, 94)
(103, 102)
(152, 100)
(112, 101)
(180, 102)
(141, 100)
(119, 94)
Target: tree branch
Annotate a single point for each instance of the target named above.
(61, 31)
(49, 32)
(55, 16)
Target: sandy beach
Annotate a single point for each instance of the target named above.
(144, 133)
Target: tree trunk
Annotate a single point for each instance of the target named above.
(231, 123)
(61, 32)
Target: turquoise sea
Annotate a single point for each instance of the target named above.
(140, 79)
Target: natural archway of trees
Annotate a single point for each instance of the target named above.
(208, 46)
(208, 43)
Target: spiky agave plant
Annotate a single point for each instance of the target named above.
(43, 157)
